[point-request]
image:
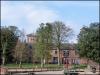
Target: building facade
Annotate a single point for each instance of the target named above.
(68, 53)
(31, 38)
(67, 56)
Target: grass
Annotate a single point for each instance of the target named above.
(81, 66)
(30, 65)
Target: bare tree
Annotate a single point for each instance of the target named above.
(20, 47)
(60, 35)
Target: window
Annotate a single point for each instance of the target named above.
(55, 59)
(65, 53)
(77, 61)
(55, 52)
(65, 61)
(73, 61)
(32, 38)
(30, 46)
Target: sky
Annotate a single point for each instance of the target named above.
(28, 15)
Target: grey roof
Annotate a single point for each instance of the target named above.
(31, 35)
(65, 46)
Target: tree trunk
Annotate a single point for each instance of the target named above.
(3, 60)
(41, 62)
(4, 51)
(20, 64)
(44, 61)
(16, 62)
(58, 56)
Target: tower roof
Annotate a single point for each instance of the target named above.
(31, 35)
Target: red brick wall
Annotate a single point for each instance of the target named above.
(83, 61)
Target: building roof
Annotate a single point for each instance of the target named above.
(65, 46)
(31, 35)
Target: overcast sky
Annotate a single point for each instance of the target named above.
(28, 15)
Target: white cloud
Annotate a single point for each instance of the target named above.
(21, 13)
(39, 16)
(29, 15)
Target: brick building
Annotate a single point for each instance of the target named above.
(31, 38)
(68, 53)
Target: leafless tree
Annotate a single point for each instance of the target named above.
(60, 35)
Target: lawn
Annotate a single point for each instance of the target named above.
(81, 66)
(30, 65)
